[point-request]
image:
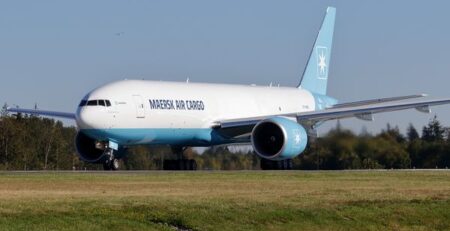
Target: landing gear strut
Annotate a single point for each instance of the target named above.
(111, 163)
(181, 163)
(276, 165)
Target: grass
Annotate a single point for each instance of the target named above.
(366, 200)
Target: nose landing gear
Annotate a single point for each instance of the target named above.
(111, 163)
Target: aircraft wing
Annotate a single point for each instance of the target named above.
(64, 115)
(360, 111)
(375, 101)
(365, 112)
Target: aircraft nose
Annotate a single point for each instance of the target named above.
(86, 118)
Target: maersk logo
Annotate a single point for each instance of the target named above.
(322, 62)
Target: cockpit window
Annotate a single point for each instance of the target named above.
(92, 103)
(100, 102)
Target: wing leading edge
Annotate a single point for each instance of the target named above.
(64, 115)
(367, 110)
(375, 101)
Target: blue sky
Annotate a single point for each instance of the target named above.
(53, 52)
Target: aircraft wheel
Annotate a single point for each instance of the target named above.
(276, 165)
(182, 164)
(192, 165)
(115, 165)
(110, 163)
(290, 165)
(106, 166)
(169, 165)
(267, 164)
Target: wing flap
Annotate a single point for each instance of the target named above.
(424, 109)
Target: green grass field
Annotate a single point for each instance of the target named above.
(378, 200)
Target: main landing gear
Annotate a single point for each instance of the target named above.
(181, 163)
(276, 165)
(111, 163)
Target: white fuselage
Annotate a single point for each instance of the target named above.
(146, 105)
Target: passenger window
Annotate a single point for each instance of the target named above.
(101, 103)
(108, 104)
(92, 103)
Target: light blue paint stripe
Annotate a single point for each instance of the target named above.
(323, 101)
(176, 136)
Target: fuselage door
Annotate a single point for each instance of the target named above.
(139, 103)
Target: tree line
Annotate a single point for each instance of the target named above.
(35, 143)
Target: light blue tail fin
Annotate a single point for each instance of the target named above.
(315, 76)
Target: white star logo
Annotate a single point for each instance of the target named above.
(297, 139)
(322, 63)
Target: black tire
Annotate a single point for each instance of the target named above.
(290, 165)
(276, 165)
(180, 165)
(112, 165)
(287, 164)
(266, 164)
(168, 165)
(280, 165)
(183, 165)
(186, 165)
(192, 165)
(106, 166)
(115, 164)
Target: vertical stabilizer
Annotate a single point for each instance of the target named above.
(315, 76)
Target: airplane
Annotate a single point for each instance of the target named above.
(277, 121)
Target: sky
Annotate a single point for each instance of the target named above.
(54, 52)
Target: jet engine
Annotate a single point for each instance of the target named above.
(89, 149)
(278, 138)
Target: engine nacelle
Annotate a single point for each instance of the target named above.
(88, 149)
(279, 138)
